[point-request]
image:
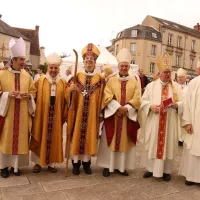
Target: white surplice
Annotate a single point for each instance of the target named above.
(149, 129)
(190, 164)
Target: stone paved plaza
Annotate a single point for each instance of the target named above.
(48, 186)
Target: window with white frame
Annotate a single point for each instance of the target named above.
(134, 33)
(191, 63)
(193, 45)
(177, 60)
(154, 35)
(152, 67)
(179, 41)
(133, 48)
(153, 50)
(169, 39)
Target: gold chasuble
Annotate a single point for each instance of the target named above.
(15, 133)
(121, 132)
(46, 141)
(86, 124)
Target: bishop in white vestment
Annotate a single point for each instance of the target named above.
(190, 163)
(181, 80)
(159, 122)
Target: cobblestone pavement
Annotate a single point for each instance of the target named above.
(48, 186)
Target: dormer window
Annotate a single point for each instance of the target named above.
(119, 35)
(154, 35)
(134, 33)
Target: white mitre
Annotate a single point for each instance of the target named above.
(181, 72)
(124, 55)
(54, 59)
(1, 65)
(17, 48)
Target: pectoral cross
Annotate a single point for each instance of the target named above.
(3, 49)
(84, 92)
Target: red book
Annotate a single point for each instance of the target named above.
(167, 103)
(2, 119)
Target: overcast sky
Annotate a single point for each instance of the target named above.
(67, 24)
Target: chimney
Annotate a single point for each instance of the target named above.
(0, 16)
(37, 28)
(197, 27)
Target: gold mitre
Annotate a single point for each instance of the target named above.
(164, 62)
(90, 49)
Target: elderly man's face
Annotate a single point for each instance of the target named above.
(181, 79)
(165, 76)
(53, 70)
(89, 63)
(124, 68)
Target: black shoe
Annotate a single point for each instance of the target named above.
(180, 143)
(86, 167)
(147, 174)
(5, 173)
(189, 183)
(76, 167)
(87, 170)
(106, 172)
(166, 177)
(125, 173)
(76, 171)
(18, 173)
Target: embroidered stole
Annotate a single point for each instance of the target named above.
(162, 123)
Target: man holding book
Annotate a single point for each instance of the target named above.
(159, 116)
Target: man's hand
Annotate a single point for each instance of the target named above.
(155, 108)
(14, 94)
(121, 111)
(174, 105)
(73, 87)
(25, 95)
(189, 128)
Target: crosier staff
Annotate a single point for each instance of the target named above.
(71, 115)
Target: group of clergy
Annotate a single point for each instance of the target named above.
(32, 115)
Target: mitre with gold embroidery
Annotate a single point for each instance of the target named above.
(91, 50)
(164, 62)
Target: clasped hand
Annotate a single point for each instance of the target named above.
(17, 94)
(121, 111)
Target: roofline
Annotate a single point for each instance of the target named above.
(16, 37)
(176, 29)
(137, 38)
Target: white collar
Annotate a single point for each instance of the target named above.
(125, 78)
(89, 73)
(163, 83)
(51, 79)
(14, 71)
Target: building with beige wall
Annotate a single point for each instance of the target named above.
(6, 33)
(31, 38)
(148, 41)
